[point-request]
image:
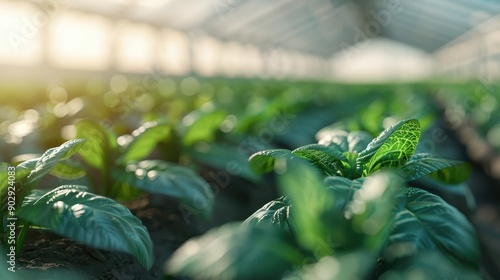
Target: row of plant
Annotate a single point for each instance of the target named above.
(247, 105)
(345, 209)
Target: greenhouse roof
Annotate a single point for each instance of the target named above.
(318, 27)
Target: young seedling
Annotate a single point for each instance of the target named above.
(69, 210)
(124, 169)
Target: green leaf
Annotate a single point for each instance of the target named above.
(341, 214)
(235, 251)
(312, 206)
(101, 143)
(276, 212)
(34, 195)
(426, 222)
(370, 211)
(68, 169)
(362, 210)
(265, 161)
(91, 219)
(50, 159)
(327, 159)
(145, 140)
(444, 170)
(156, 176)
(393, 148)
(25, 168)
(200, 126)
(343, 190)
(428, 265)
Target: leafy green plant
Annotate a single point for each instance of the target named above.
(345, 213)
(68, 210)
(355, 154)
(124, 171)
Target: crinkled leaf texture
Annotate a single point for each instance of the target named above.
(375, 144)
(424, 222)
(327, 159)
(157, 176)
(91, 219)
(235, 251)
(393, 148)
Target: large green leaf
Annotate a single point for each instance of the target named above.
(393, 148)
(235, 251)
(145, 139)
(445, 170)
(327, 159)
(375, 144)
(276, 212)
(265, 161)
(91, 219)
(50, 159)
(156, 176)
(101, 143)
(426, 222)
(201, 125)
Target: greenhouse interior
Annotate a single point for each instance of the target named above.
(250, 139)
